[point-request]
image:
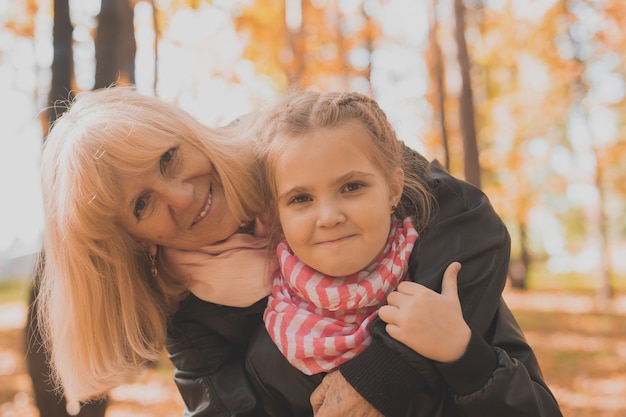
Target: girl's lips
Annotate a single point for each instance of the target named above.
(333, 241)
(206, 208)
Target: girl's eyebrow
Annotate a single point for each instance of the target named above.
(349, 175)
(294, 190)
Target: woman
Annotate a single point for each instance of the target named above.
(125, 176)
(103, 226)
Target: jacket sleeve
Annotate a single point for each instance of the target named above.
(500, 375)
(465, 229)
(206, 343)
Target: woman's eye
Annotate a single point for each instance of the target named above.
(167, 157)
(297, 199)
(140, 206)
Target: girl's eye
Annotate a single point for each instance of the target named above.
(140, 205)
(353, 186)
(167, 157)
(298, 199)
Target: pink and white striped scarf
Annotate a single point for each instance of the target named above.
(319, 322)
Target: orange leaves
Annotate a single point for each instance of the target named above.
(267, 47)
(21, 17)
(304, 44)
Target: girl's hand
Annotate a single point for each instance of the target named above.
(430, 323)
(335, 397)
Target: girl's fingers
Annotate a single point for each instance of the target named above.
(449, 282)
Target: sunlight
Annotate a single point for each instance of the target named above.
(531, 9)
(218, 85)
(21, 217)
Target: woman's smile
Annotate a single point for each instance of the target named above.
(206, 208)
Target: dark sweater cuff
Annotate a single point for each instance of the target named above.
(471, 371)
(383, 378)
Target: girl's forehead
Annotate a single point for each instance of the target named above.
(350, 134)
(349, 140)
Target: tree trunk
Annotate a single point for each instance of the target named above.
(47, 399)
(62, 61)
(115, 44)
(369, 45)
(157, 38)
(437, 70)
(598, 227)
(466, 102)
(295, 41)
(518, 269)
(343, 76)
(605, 287)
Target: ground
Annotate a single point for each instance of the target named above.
(581, 349)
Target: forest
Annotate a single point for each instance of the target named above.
(525, 99)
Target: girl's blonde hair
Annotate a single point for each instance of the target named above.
(303, 112)
(102, 312)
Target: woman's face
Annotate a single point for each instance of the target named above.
(178, 203)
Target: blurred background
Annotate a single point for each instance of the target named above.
(523, 98)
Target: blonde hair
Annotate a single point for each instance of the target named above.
(102, 312)
(302, 112)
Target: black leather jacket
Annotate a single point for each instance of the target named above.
(497, 376)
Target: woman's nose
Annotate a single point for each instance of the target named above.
(178, 195)
(330, 214)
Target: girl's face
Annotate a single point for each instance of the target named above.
(179, 203)
(334, 203)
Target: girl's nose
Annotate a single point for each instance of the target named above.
(330, 215)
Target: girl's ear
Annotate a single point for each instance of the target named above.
(396, 185)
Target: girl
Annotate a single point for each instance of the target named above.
(350, 207)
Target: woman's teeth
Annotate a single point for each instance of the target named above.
(205, 210)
